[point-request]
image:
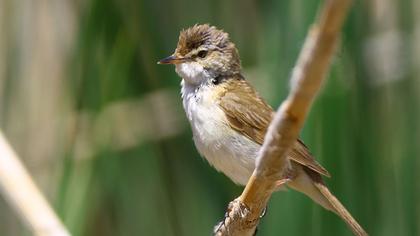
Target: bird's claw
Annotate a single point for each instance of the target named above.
(223, 221)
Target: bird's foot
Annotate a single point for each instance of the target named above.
(222, 223)
(263, 212)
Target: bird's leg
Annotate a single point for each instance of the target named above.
(280, 183)
(223, 221)
(288, 176)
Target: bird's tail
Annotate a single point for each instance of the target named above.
(312, 185)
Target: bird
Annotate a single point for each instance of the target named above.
(229, 119)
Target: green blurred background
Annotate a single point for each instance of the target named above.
(101, 128)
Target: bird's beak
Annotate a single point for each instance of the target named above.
(171, 60)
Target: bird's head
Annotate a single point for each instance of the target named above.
(204, 52)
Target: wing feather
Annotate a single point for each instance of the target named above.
(250, 115)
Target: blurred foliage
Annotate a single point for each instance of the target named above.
(126, 164)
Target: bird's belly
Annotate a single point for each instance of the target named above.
(224, 148)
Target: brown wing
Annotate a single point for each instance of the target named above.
(251, 117)
(301, 155)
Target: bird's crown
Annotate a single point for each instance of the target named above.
(210, 47)
(202, 35)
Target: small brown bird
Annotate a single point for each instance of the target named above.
(229, 119)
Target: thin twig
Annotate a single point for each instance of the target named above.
(307, 77)
(19, 189)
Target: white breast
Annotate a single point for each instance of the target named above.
(225, 149)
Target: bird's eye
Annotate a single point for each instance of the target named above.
(202, 54)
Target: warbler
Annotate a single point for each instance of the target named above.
(229, 119)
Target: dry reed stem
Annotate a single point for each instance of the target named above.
(244, 213)
(26, 199)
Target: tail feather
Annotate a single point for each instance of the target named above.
(310, 183)
(340, 210)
